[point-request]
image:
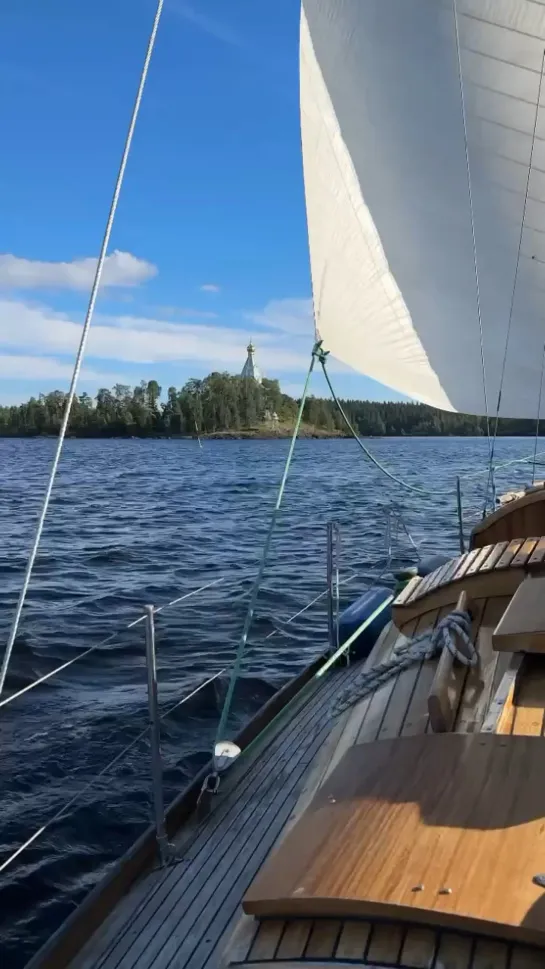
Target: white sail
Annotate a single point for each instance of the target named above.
(386, 185)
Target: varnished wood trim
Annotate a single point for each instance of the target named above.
(266, 940)
(422, 587)
(452, 568)
(408, 589)
(494, 557)
(480, 561)
(490, 560)
(439, 575)
(469, 560)
(538, 555)
(375, 944)
(505, 511)
(506, 559)
(482, 585)
(524, 553)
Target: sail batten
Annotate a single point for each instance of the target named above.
(386, 185)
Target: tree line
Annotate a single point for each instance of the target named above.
(225, 403)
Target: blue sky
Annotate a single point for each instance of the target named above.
(209, 246)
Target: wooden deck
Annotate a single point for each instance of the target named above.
(181, 917)
(420, 830)
(184, 916)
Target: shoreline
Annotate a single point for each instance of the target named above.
(282, 434)
(212, 436)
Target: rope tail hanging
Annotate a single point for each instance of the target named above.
(403, 484)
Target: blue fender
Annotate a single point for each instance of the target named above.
(354, 615)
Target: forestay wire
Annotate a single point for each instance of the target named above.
(81, 349)
(316, 352)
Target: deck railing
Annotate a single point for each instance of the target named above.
(155, 715)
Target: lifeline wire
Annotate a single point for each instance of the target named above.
(103, 642)
(81, 350)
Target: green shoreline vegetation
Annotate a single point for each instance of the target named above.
(225, 406)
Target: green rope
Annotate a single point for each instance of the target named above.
(317, 354)
(367, 452)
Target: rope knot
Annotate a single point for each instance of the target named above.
(320, 354)
(456, 625)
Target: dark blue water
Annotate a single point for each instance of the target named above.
(134, 522)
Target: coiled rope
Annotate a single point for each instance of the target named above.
(425, 646)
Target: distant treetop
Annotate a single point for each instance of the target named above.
(224, 403)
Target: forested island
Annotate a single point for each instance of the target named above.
(223, 405)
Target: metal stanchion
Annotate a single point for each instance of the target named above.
(460, 515)
(330, 592)
(155, 738)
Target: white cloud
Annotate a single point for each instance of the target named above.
(181, 311)
(210, 288)
(27, 367)
(120, 269)
(144, 340)
(289, 315)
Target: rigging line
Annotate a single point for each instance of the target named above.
(81, 349)
(316, 352)
(103, 642)
(499, 467)
(538, 416)
(312, 602)
(368, 453)
(472, 215)
(62, 811)
(517, 264)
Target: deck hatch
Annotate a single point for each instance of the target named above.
(445, 830)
